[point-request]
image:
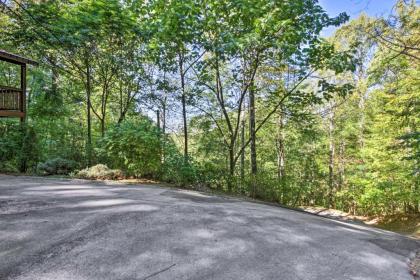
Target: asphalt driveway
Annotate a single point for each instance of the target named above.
(64, 229)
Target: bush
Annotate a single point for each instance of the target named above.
(18, 147)
(100, 172)
(56, 166)
(133, 146)
(176, 171)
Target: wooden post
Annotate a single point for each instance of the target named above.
(23, 91)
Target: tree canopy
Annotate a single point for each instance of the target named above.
(243, 96)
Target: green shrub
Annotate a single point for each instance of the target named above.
(99, 172)
(18, 147)
(56, 166)
(176, 171)
(133, 146)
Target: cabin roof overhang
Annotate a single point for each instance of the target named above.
(16, 59)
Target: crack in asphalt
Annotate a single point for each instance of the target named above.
(159, 272)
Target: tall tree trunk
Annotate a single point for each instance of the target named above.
(363, 95)
(280, 145)
(88, 105)
(243, 151)
(331, 159)
(253, 147)
(24, 156)
(342, 165)
(104, 103)
(163, 130)
(231, 166)
(160, 135)
(361, 104)
(120, 89)
(54, 81)
(158, 119)
(242, 143)
(102, 127)
(183, 101)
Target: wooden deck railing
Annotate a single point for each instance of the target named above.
(10, 98)
(11, 102)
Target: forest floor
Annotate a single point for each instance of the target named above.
(76, 229)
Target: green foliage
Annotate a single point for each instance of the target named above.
(18, 147)
(176, 170)
(337, 118)
(10, 143)
(134, 146)
(56, 166)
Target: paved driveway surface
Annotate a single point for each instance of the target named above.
(63, 229)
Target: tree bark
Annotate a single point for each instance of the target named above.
(102, 117)
(88, 105)
(24, 158)
(243, 151)
(104, 103)
(231, 168)
(362, 101)
(252, 133)
(331, 159)
(280, 145)
(54, 81)
(183, 101)
(342, 165)
(158, 119)
(164, 130)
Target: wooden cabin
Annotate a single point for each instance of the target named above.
(13, 100)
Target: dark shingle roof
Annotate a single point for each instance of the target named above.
(17, 59)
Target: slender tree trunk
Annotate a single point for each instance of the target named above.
(242, 143)
(163, 130)
(280, 146)
(183, 101)
(104, 103)
(331, 160)
(342, 165)
(163, 117)
(231, 166)
(54, 80)
(363, 95)
(243, 151)
(24, 156)
(160, 135)
(88, 105)
(158, 119)
(120, 100)
(252, 133)
(102, 127)
(361, 104)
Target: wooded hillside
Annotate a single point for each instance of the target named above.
(240, 96)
